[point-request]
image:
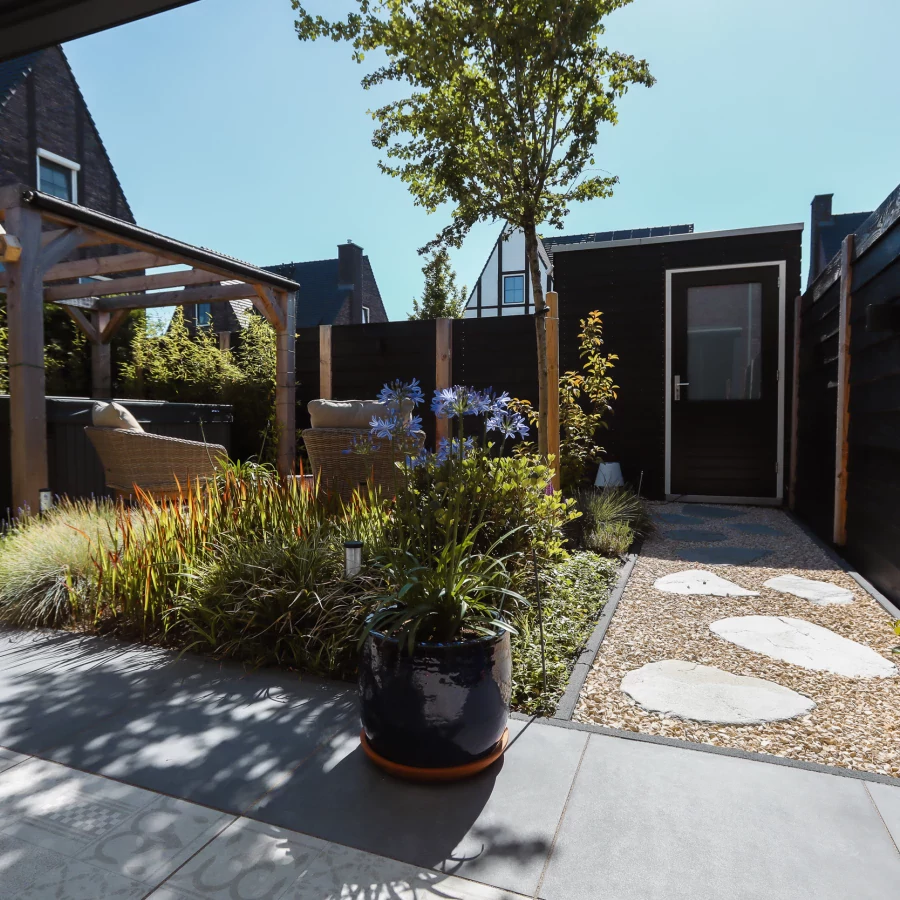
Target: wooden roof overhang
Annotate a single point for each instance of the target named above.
(39, 233)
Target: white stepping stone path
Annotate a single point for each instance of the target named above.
(804, 644)
(822, 593)
(687, 690)
(699, 581)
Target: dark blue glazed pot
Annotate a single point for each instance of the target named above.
(443, 705)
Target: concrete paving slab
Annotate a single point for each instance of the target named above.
(221, 741)
(710, 512)
(678, 519)
(699, 535)
(821, 593)
(495, 828)
(686, 690)
(887, 799)
(756, 528)
(646, 822)
(805, 644)
(699, 582)
(721, 556)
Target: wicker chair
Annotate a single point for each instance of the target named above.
(343, 473)
(156, 464)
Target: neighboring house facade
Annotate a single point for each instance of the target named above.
(48, 139)
(339, 291)
(827, 231)
(504, 286)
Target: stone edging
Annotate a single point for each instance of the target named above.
(565, 709)
(889, 607)
(712, 748)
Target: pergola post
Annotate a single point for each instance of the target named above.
(101, 360)
(285, 385)
(25, 322)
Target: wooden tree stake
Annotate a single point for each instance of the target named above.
(553, 385)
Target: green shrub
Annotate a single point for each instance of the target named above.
(611, 519)
(574, 592)
(47, 570)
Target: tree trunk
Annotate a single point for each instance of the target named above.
(540, 324)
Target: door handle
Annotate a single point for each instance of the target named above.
(678, 385)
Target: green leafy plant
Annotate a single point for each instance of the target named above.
(611, 519)
(441, 298)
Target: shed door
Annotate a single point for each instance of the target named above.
(724, 386)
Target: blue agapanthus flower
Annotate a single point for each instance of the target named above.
(395, 392)
(509, 424)
(457, 401)
(450, 449)
(385, 427)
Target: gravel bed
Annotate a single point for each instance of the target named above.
(856, 722)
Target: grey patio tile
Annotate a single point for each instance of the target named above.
(221, 741)
(709, 512)
(721, 556)
(9, 758)
(646, 821)
(153, 842)
(76, 880)
(494, 828)
(21, 863)
(887, 799)
(248, 860)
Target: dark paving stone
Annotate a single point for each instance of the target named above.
(710, 512)
(646, 821)
(678, 519)
(755, 528)
(495, 828)
(721, 556)
(694, 534)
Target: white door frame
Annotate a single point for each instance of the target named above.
(779, 485)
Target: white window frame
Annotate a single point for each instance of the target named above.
(73, 167)
(366, 315)
(781, 265)
(503, 298)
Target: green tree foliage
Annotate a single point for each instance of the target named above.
(507, 99)
(441, 298)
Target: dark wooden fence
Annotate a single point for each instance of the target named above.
(75, 469)
(498, 353)
(846, 476)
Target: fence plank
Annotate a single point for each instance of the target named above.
(325, 381)
(443, 368)
(795, 402)
(843, 396)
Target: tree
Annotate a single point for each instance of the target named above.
(441, 298)
(507, 100)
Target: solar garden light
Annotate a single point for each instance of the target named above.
(352, 558)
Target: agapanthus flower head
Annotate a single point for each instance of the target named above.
(509, 424)
(412, 425)
(395, 392)
(457, 401)
(385, 426)
(361, 444)
(450, 449)
(415, 462)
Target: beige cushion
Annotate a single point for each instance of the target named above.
(350, 413)
(114, 415)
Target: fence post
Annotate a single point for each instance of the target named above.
(325, 386)
(553, 384)
(443, 369)
(843, 395)
(795, 403)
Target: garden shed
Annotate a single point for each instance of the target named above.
(702, 323)
(52, 250)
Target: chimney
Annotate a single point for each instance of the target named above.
(820, 214)
(350, 277)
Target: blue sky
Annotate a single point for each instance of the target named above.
(226, 131)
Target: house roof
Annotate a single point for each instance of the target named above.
(602, 237)
(12, 72)
(320, 299)
(832, 232)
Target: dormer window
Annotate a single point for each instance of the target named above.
(57, 175)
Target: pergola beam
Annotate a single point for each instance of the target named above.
(215, 294)
(60, 247)
(130, 285)
(105, 265)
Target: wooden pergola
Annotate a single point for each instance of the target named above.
(39, 236)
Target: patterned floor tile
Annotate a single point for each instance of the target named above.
(249, 861)
(76, 880)
(150, 844)
(21, 863)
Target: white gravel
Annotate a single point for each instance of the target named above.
(856, 722)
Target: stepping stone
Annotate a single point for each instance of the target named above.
(755, 528)
(721, 556)
(709, 512)
(695, 534)
(706, 694)
(804, 644)
(822, 593)
(698, 581)
(678, 519)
